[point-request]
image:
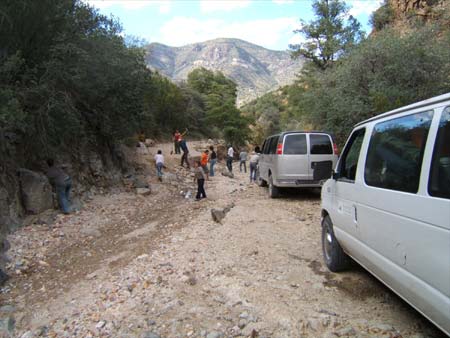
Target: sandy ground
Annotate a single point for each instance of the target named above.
(158, 266)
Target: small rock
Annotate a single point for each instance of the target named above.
(7, 323)
(227, 173)
(242, 323)
(345, 332)
(382, 327)
(192, 280)
(7, 309)
(217, 215)
(41, 331)
(100, 325)
(28, 334)
(314, 324)
(143, 191)
(150, 334)
(151, 322)
(214, 334)
(244, 315)
(235, 331)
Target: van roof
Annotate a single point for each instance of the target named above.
(433, 100)
(301, 131)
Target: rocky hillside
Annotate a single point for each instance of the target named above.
(255, 69)
(406, 14)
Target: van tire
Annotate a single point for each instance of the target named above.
(335, 258)
(274, 191)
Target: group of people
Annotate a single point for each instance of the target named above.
(243, 157)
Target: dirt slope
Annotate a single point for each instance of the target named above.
(159, 266)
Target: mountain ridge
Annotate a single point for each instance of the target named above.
(256, 70)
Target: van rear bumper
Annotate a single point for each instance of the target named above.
(293, 183)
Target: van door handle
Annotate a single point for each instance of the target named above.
(355, 214)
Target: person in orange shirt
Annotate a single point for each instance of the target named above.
(204, 163)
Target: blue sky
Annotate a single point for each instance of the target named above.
(268, 23)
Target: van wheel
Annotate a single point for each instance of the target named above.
(335, 258)
(259, 181)
(274, 191)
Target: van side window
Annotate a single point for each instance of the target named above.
(273, 145)
(295, 144)
(320, 144)
(349, 160)
(395, 153)
(439, 183)
(266, 146)
(263, 147)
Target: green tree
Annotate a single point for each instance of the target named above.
(330, 35)
(385, 72)
(219, 94)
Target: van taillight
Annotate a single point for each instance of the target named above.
(280, 149)
(336, 150)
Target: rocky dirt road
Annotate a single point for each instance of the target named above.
(158, 266)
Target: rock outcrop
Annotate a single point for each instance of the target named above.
(35, 190)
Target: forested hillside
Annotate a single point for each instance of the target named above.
(71, 88)
(404, 60)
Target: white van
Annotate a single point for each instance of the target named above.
(289, 159)
(388, 205)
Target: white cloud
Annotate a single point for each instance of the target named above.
(283, 2)
(268, 33)
(296, 39)
(208, 6)
(367, 7)
(164, 5)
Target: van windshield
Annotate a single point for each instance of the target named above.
(295, 144)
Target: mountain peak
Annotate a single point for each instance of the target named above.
(255, 69)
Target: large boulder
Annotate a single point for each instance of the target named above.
(35, 190)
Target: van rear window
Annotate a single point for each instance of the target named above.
(439, 184)
(295, 144)
(320, 144)
(395, 154)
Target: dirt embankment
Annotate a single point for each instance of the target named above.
(159, 266)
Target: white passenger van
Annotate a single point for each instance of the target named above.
(388, 205)
(289, 159)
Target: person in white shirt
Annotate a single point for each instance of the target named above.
(254, 159)
(159, 160)
(230, 155)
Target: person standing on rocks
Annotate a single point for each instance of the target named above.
(230, 154)
(243, 160)
(204, 163)
(159, 161)
(184, 157)
(62, 183)
(200, 178)
(212, 161)
(254, 159)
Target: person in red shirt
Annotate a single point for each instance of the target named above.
(204, 163)
(176, 141)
